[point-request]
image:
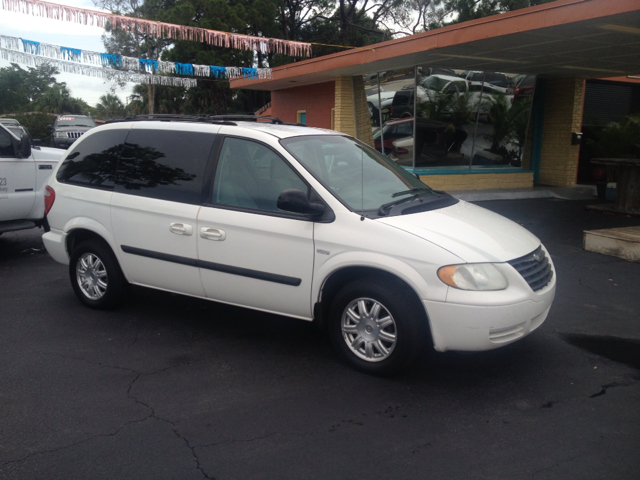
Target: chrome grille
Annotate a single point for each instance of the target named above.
(534, 268)
(74, 134)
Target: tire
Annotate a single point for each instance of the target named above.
(96, 277)
(388, 336)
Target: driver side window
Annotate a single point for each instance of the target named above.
(250, 175)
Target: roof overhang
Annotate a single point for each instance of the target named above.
(565, 38)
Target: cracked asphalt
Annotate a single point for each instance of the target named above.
(172, 387)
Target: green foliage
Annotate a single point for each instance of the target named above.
(618, 139)
(37, 123)
(464, 10)
(20, 89)
(110, 106)
(509, 124)
(452, 107)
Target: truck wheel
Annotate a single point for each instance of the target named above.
(377, 327)
(96, 277)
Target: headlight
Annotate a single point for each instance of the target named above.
(473, 276)
(60, 134)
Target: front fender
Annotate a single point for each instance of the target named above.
(422, 277)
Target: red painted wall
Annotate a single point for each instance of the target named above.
(317, 100)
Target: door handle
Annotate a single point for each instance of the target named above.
(181, 229)
(213, 233)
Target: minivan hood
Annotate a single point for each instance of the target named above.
(470, 232)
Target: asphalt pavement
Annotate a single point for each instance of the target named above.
(172, 387)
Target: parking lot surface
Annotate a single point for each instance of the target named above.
(172, 387)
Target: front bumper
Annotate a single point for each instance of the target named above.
(466, 327)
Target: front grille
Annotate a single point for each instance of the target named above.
(74, 134)
(534, 268)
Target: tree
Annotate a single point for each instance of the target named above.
(134, 43)
(20, 88)
(463, 10)
(110, 106)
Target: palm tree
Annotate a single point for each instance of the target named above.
(110, 106)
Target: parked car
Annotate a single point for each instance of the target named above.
(296, 221)
(431, 87)
(523, 86)
(68, 128)
(376, 103)
(426, 72)
(24, 172)
(391, 131)
(494, 78)
(434, 139)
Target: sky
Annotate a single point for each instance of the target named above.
(65, 34)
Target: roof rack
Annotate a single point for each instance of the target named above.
(218, 119)
(166, 117)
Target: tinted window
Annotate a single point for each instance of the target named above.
(164, 164)
(251, 175)
(6, 145)
(92, 161)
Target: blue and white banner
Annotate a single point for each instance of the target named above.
(139, 65)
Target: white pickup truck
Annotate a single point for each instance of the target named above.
(24, 173)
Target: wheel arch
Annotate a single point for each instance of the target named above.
(340, 277)
(80, 230)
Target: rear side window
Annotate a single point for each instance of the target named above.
(164, 164)
(92, 161)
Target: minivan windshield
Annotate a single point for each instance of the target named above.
(360, 177)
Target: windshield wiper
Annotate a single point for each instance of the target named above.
(407, 192)
(417, 192)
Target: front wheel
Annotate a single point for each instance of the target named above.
(377, 327)
(96, 277)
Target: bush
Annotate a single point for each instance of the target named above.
(37, 123)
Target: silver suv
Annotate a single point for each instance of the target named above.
(68, 128)
(296, 221)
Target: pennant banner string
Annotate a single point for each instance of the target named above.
(97, 72)
(128, 63)
(83, 16)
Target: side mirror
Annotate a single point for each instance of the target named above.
(296, 201)
(50, 128)
(36, 142)
(23, 147)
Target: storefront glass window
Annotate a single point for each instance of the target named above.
(465, 119)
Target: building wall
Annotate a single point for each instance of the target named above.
(317, 100)
(479, 181)
(351, 109)
(564, 98)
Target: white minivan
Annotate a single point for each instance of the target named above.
(297, 221)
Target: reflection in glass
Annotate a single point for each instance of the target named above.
(140, 168)
(465, 119)
(92, 161)
(164, 164)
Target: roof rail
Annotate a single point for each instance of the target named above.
(166, 117)
(254, 118)
(219, 119)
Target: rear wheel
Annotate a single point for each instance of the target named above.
(96, 277)
(377, 327)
